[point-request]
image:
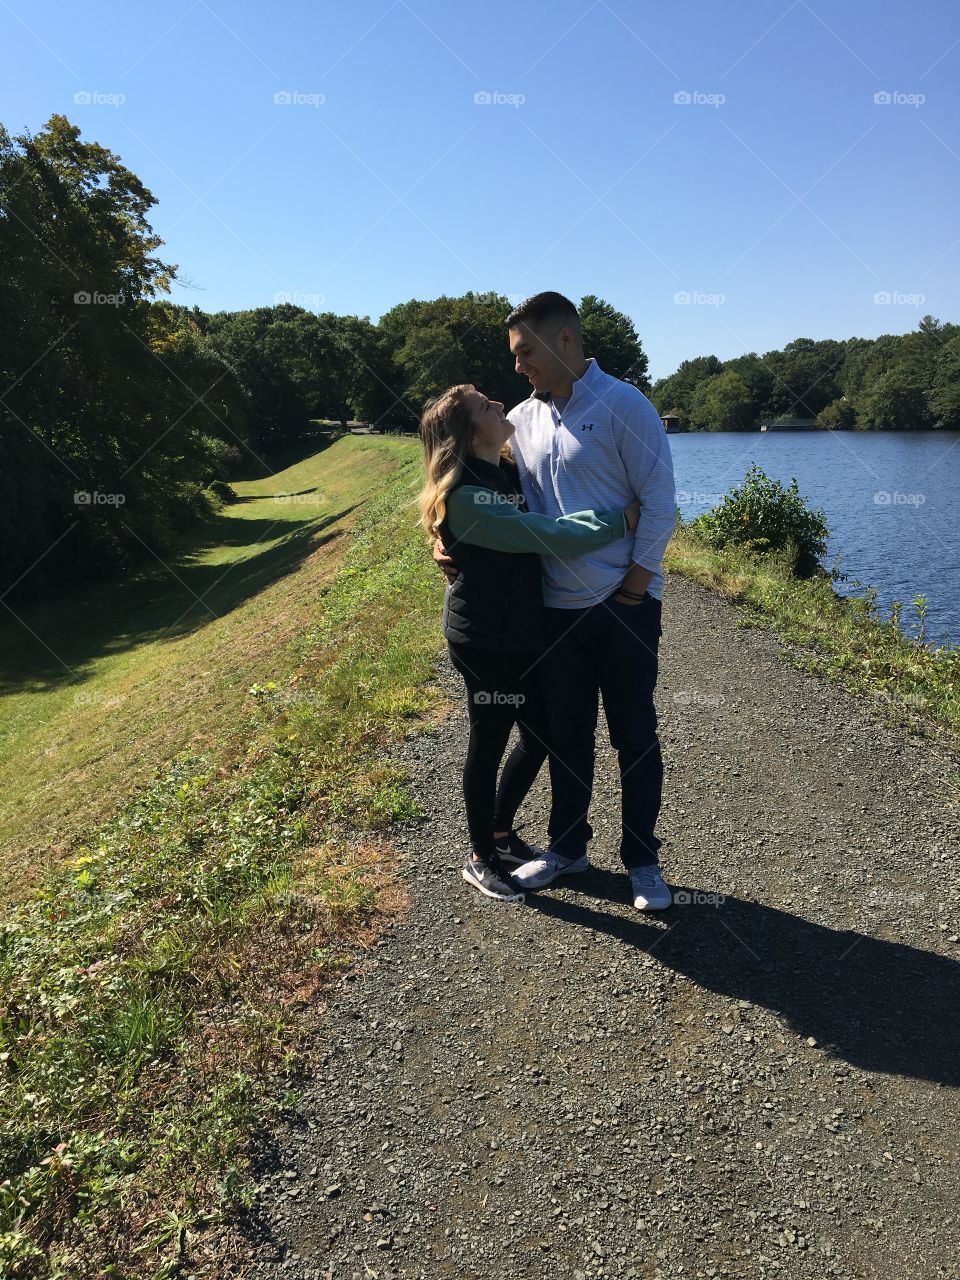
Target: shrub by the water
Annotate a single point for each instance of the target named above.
(762, 515)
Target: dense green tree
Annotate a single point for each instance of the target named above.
(899, 381)
(722, 404)
(855, 369)
(759, 377)
(894, 401)
(611, 338)
(370, 375)
(675, 393)
(449, 340)
(839, 415)
(945, 392)
(804, 377)
(277, 409)
(107, 436)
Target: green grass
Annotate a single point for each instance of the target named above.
(890, 661)
(161, 982)
(100, 687)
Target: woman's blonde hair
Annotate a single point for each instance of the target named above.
(446, 432)
(446, 425)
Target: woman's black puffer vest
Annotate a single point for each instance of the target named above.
(497, 600)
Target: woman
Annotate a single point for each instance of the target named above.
(493, 612)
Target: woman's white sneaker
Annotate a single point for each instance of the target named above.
(649, 889)
(544, 870)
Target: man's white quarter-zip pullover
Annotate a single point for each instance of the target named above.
(607, 447)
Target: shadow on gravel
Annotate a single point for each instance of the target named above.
(882, 1006)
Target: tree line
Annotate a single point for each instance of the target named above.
(123, 416)
(908, 382)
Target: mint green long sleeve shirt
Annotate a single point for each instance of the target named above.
(487, 519)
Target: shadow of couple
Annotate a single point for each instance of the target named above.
(881, 1006)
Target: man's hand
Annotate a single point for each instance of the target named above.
(447, 566)
(636, 583)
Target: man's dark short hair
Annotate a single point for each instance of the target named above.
(545, 311)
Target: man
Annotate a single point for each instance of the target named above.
(586, 439)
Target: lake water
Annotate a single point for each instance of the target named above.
(891, 499)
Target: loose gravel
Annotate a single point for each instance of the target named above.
(760, 1081)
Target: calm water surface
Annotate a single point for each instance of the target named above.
(891, 499)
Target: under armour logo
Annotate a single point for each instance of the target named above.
(586, 426)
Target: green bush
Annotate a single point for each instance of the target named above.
(223, 492)
(763, 516)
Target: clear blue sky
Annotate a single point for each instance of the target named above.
(796, 199)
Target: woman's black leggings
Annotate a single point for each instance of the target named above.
(503, 690)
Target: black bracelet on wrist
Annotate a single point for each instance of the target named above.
(632, 595)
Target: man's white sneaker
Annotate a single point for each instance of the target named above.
(544, 870)
(650, 890)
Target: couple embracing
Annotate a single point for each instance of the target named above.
(551, 525)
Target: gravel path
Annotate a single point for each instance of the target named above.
(759, 1081)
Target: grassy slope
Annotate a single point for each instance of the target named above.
(110, 682)
(160, 987)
